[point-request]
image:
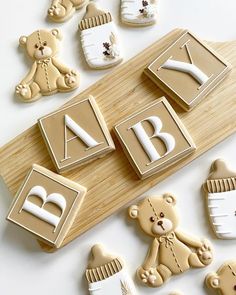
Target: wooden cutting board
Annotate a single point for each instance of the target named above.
(111, 181)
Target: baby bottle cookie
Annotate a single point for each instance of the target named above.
(47, 75)
(172, 251)
(224, 280)
(99, 38)
(139, 12)
(106, 274)
(220, 188)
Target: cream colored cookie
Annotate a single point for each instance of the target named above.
(224, 280)
(62, 10)
(172, 251)
(220, 189)
(47, 74)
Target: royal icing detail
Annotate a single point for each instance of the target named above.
(76, 134)
(139, 12)
(99, 38)
(46, 205)
(172, 252)
(220, 188)
(47, 75)
(154, 138)
(188, 70)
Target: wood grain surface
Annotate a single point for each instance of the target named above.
(111, 181)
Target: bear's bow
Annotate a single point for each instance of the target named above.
(167, 239)
(44, 62)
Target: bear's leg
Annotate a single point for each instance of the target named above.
(28, 93)
(194, 261)
(79, 3)
(67, 82)
(61, 10)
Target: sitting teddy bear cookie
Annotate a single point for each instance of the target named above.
(139, 12)
(224, 280)
(99, 38)
(47, 75)
(220, 188)
(62, 10)
(172, 252)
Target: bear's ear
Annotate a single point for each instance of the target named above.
(213, 281)
(23, 40)
(169, 198)
(133, 211)
(56, 33)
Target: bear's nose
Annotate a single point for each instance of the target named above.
(41, 48)
(160, 222)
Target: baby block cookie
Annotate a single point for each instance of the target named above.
(76, 134)
(47, 74)
(106, 274)
(172, 252)
(188, 70)
(220, 189)
(99, 38)
(154, 138)
(224, 280)
(46, 205)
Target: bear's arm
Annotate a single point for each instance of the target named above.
(29, 77)
(188, 240)
(151, 258)
(61, 68)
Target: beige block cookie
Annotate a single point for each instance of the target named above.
(62, 10)
(188, 70)
(106, 274)
(47, 74)
(154, 138)
(172, 251)
(76, 134)
(224, 280)
(220, 190)
(46, 205)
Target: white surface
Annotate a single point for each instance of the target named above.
(24, 268)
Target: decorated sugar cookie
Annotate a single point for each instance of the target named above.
(106, 274)
(220, 188)
(172, 251)
(224, 280)
(62, 10)
(139, 12)
(99, 38)
(47, 74)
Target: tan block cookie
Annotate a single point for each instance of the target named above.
(99, 38)
(76, 134)
(172, 251)
(154, 138)
(224, 280)
(47, 74)
(188, 70)
(106, 274)
(220, 190)
(62, 10)
(46, 205)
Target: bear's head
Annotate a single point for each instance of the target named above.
(157, 216)
(224, 280)
(41, 44)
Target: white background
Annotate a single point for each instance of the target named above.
(24, 268)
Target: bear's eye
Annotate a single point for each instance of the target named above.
(44, 43)
(235, 287)
(36, 46)
(162, 215)
(152, 219)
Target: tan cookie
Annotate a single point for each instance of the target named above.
(224, 280)
(62, 10)
(220, 189)
(171, 252)
(47, 74)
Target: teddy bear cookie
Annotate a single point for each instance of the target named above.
(224, 280)
(172, 251)
(62, 10)
(220, 189)
(106, 274)
(139, 12)
(47, 74)
(99, 38)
